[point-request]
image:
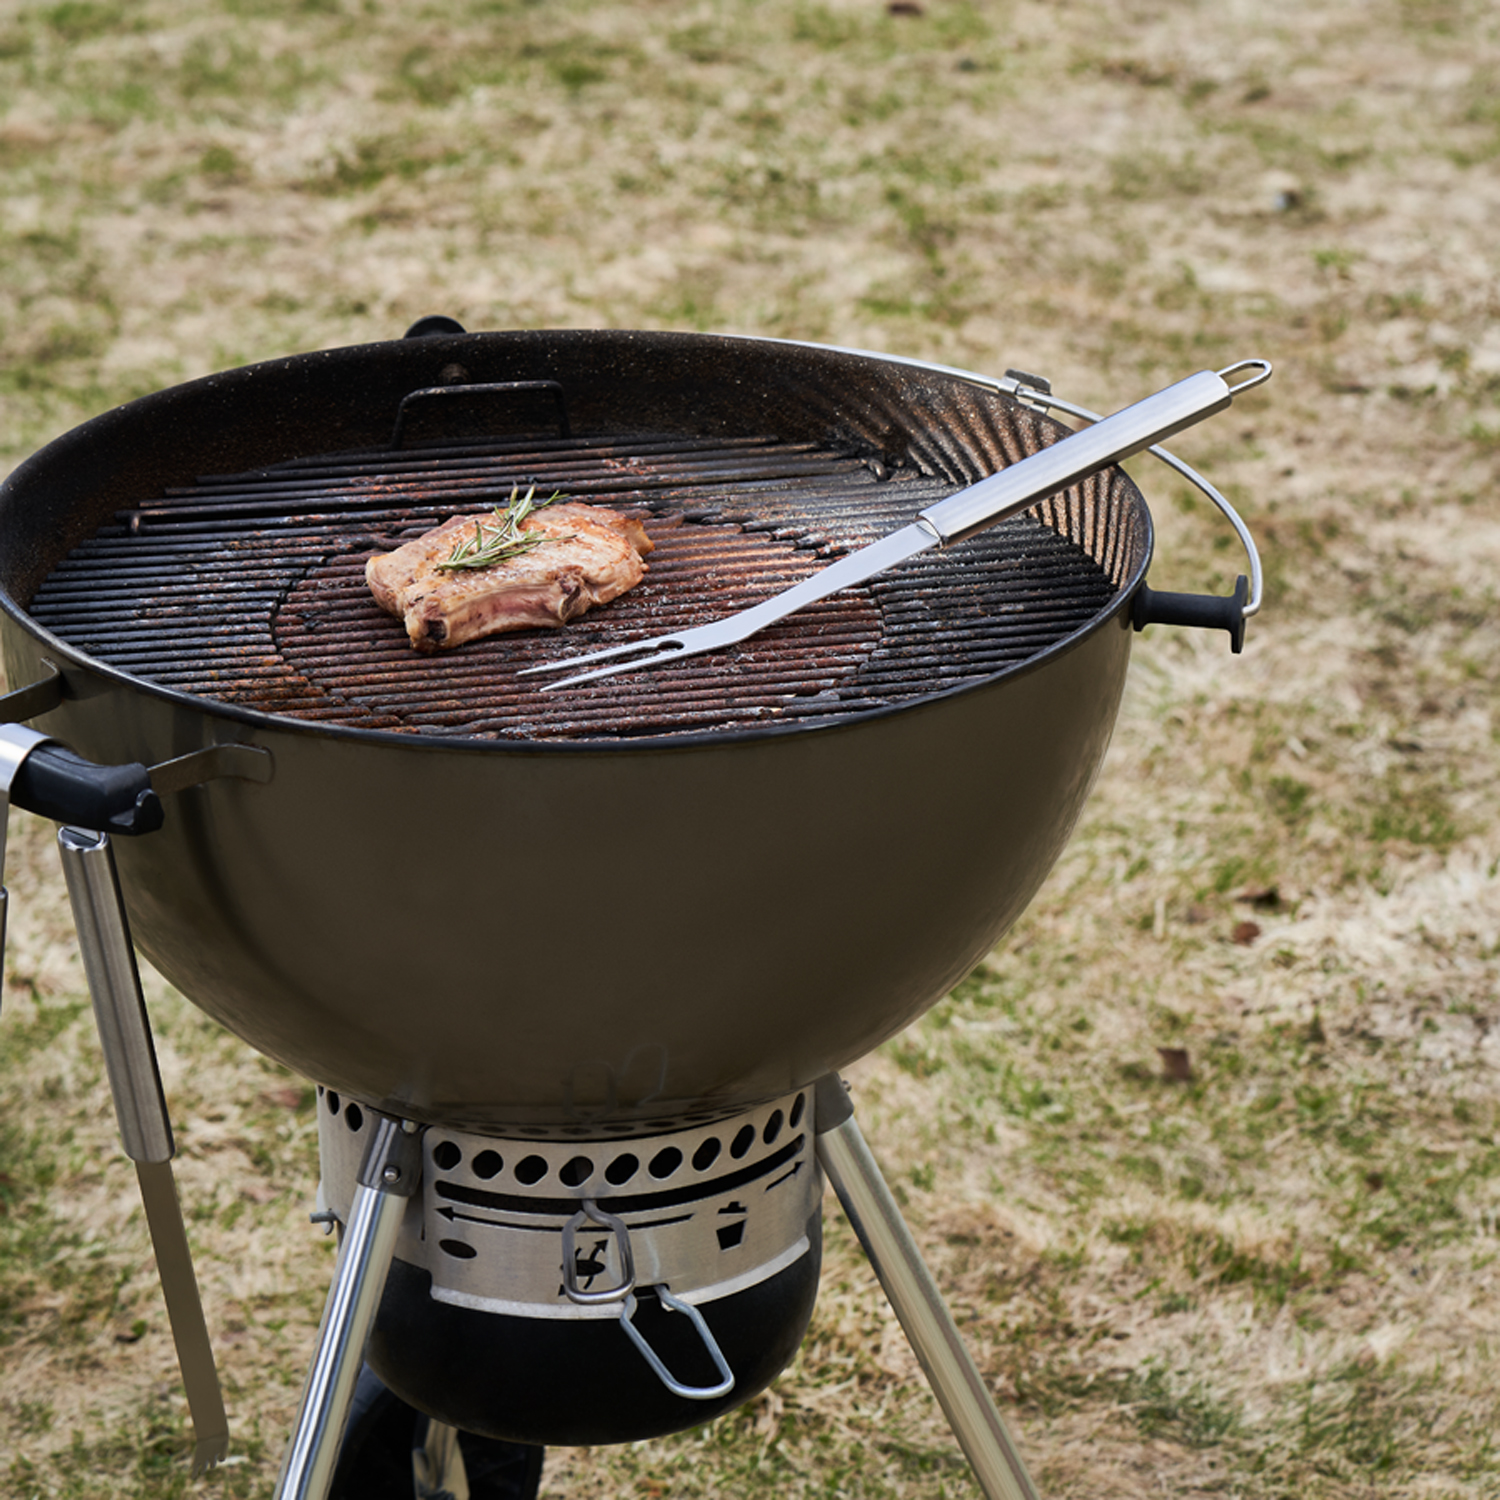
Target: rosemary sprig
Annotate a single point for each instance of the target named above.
(494, 542)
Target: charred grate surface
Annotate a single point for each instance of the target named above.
(249, 588)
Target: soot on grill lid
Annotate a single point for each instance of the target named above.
(249, 588)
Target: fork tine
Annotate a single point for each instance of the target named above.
(733, 628)
(619, 666)
(659, 643)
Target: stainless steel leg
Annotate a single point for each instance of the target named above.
(913, 1294)
(437, 1467)
(141, 1109)
(387, 1179)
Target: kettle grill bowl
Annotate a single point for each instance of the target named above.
(576, 937)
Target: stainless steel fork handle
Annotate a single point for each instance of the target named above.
(1045, 400)
(1075, 457)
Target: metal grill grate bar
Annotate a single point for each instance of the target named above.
(250, 588)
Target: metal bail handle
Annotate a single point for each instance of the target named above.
(696, 1318)
(1227, 612)
(591, 1213)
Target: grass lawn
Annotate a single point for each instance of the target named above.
(1274, 1278)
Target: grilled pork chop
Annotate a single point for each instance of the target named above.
(589, 556)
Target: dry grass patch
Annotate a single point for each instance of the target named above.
(1274, 1277)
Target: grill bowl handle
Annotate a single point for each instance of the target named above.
(1206, 611)
(57, 784)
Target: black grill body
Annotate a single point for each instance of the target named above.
(682, 892)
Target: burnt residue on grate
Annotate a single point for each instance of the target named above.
(249, 588)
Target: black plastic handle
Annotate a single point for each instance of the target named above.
(57, 784)
(1205, 611)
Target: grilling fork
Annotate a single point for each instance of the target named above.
(1015, 488)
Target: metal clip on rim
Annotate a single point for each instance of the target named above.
(696, 1318)
(1150, 606)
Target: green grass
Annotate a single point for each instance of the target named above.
(1269, 1279)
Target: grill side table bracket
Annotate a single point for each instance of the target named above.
(388, 1177)
(914, 1296)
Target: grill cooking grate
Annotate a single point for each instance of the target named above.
(249, 588)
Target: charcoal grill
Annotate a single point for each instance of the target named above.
(712, 920)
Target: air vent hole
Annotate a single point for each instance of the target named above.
(622, 1169)
(665, 1162)
(577, 1172)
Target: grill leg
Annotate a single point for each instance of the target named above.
(387, 1179)
(141, 1110)
(915, 1298)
